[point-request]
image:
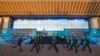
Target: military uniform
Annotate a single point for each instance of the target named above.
(74, 44)
(87, 44)
(53, 44)
(36, 44)
(19, 44)
(81, 43)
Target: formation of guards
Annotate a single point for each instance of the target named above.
(70, 43)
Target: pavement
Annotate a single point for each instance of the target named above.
(7, 50)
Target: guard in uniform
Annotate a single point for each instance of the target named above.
(74, 44)
(81, 43)
(53, 44)
(20, 41)
(36, 44)
(87, 42)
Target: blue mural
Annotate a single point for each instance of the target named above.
(8, 38)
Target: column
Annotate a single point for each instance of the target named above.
(99, 22)
(5, 24)
(94, 21)
(1, 24)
